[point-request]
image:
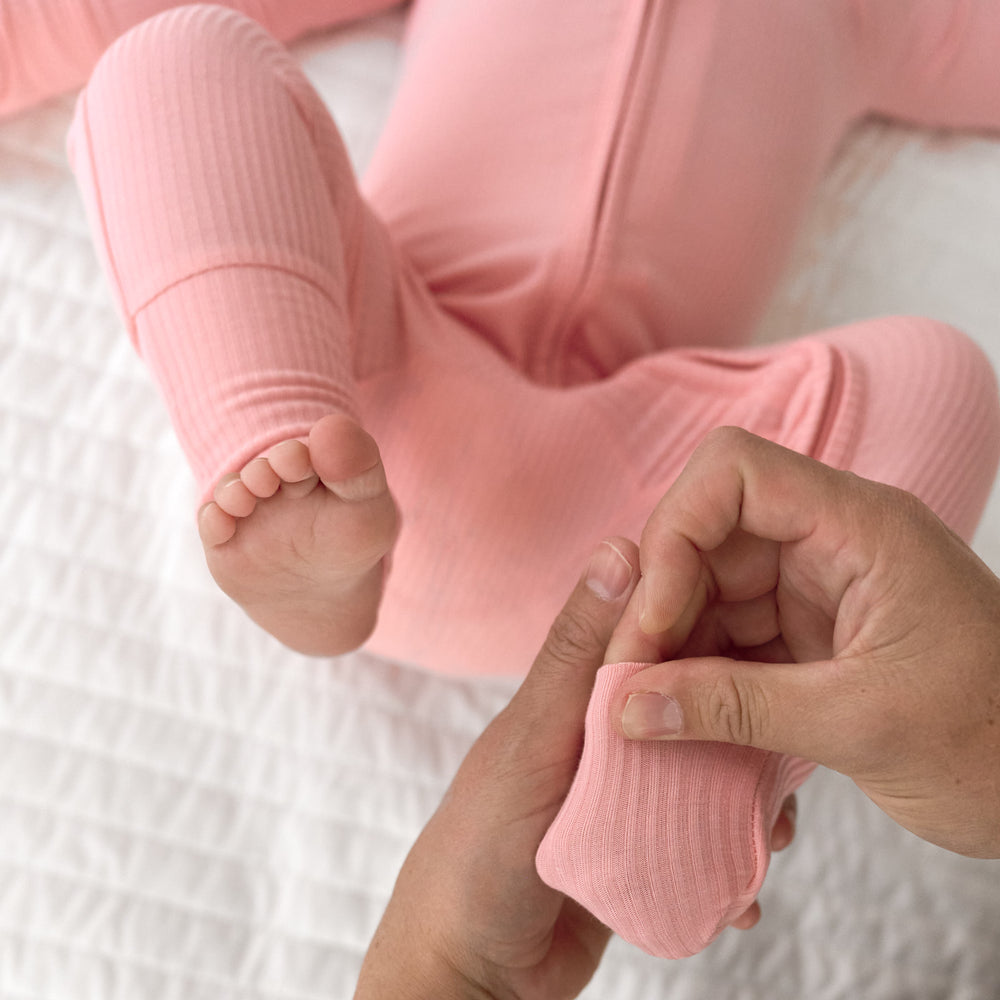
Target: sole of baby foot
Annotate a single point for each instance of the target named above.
(300, 535)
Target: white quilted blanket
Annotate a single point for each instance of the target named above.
(187, 810)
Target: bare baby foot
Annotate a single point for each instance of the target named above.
(298, 538)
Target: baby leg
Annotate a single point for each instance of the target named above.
(669, 843)
(50, 46)
(584, 185)
(631, 180)
(224, 208)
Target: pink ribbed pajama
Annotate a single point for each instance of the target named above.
(575, 214)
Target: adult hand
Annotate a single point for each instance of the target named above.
(855, 630)
(469, 916)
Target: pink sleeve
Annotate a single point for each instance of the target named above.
(50, 46)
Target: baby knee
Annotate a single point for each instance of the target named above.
(928, 413)
(959, 365)
(189, 50)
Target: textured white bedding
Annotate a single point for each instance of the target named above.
(188, 810)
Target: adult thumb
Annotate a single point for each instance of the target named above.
(557, 689)
(790, 708)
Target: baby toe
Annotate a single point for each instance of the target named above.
(215, 526)
(259, 478)
(290, 461)
(234, 498)
(346, 458)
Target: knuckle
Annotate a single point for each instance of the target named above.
(574, 638)
(728, 436)
(727, 441)
(736, 711)
(914, 513)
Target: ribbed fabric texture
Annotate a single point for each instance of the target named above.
(231, 230)
(925, 397)
(664, 842)
(264, 292)
(50, 46)
(573, 209)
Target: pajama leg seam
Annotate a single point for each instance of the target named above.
(234, 265)
(762, 858)
(836, 437)
(114, 276)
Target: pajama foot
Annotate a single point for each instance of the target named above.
(300, 535)
(668, 843)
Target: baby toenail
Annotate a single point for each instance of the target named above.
(368, 484)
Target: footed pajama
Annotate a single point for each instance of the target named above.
(639, 859)
(535, 307)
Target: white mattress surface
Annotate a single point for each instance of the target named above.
(188, 810)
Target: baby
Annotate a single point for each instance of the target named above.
(412, 408)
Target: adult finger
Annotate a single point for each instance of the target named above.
(807, 710)
(734, 481)
(556, 691)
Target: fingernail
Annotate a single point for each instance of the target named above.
(608, 573)
(651, 716)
